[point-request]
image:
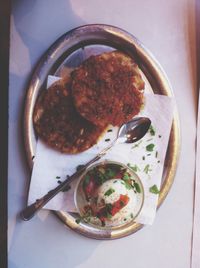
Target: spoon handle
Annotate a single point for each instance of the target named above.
(30, 210)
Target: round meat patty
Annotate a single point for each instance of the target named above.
(108, 89)
(58, 124)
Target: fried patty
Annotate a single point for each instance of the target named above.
(58, 124)
(108, 89)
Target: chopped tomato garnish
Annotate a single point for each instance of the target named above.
(112, 209)
(119, 204)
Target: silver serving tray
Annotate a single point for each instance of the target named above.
(68, 52)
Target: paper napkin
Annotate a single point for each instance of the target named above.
(146, 157)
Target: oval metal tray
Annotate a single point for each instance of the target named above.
(68, 52)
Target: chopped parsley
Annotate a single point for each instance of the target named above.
(131, 215)
(110, 173)
(150, 147)
(57, 177)
(152, 130)
(143, 158)
(156, 154)
(137, 187)
(134, 168)
(126, 176)
(128, 186)
(101, 178)
(109, 192)
(126, 180)
(147, 169)
(154, 189)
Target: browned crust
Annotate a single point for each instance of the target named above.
(108, 89)
(59, 125)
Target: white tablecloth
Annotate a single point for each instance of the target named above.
(167, 29)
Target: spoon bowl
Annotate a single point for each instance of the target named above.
(134, 130)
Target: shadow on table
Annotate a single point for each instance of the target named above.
(35, 25)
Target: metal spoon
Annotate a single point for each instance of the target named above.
(130, 132)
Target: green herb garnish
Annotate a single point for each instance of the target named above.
(143, 158)
(156, 154)
(109, 192)
(128, 186)
(152, 130)
(101, 178)
(131, 215)
(126, 176)
(126, 180)
(134, 168)
(110, 173)
(137, 187)
(147, 169)
(150, 147)
(57, 177)
(154, 189)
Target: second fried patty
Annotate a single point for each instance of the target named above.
(58, 124)
(108, 89)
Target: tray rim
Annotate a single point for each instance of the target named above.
(166, 90)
